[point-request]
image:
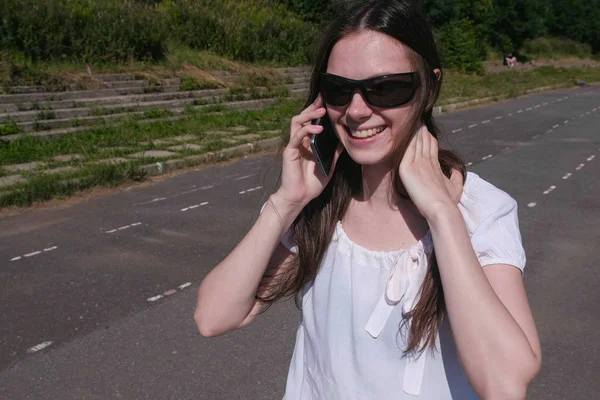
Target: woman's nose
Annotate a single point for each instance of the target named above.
(358, 109)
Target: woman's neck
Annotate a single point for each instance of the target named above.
(377, 187)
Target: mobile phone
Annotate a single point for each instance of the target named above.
(324, 144)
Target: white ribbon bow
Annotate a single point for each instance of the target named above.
(404, 288)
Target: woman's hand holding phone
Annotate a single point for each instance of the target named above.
(301, 179)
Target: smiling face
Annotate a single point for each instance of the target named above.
(369, 133)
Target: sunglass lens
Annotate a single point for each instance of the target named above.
(391, 91)
(335, 93)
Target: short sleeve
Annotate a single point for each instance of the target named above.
(492, 220)
(498, 239)
(286, 239)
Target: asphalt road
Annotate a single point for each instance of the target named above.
(97, 297)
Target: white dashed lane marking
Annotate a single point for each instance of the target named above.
(487, 157)
(550, 189)
(169, 292)
(472, 126)
(122, 228)
(194, 206)
(498, 118)
(244, 177)
(531, 205)
(486, 121)
(39, 347)
(250, 190)
(34, 253)
(457, 130)
(579, 167)
(590, 158)
(567, 176)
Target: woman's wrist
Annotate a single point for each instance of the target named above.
(286, 211)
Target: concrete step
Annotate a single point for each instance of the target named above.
(19, 99)
(101, 101)
(177, 113)
(85, 116)
(68, 109)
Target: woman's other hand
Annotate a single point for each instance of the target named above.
(421, 174)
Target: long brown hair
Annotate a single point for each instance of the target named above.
(312, 231)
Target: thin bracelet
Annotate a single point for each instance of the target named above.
(276, 211)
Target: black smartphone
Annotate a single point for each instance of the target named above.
(324, 144)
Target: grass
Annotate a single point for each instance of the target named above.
(512, 83)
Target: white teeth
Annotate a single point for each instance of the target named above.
(368, 132)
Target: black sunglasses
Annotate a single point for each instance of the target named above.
(384, 91)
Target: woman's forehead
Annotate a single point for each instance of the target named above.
(366, 54)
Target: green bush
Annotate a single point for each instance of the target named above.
(554, 48)
(460, 47)
(10, 127)
(82, 30)
(248, 31)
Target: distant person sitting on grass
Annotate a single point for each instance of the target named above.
(510, 59)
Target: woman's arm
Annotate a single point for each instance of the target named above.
(489, 313)
(226, 298)
(487, 307)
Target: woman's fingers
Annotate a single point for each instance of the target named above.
(299, 135)
(305, 118)
(315, 104)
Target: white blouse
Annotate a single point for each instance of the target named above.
(348, 344)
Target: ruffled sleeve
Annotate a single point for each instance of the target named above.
(286, 239)
(492, 220)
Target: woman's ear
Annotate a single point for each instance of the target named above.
(438, 73)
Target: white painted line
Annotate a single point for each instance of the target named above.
(136, 224)
(519, 112)
(472, 126)
(487, 157)
(244, 177)
(207, 187)
(203, 204)
(486, 121)
(590, 158)
(35, 253)
(587, 113)
(469, 164)
(550, 189)
(457, 130)
(124, 227)
(510, 115)
(506, 149)
(559, 100)
(531, 205)
(528, 109)
(579, 167)
(567, 176)
(566, 121)
(113, 231)
(498, 117)
(544, 104)
(548, 131)
(39, 347)
(51, 248)
(185, 285)
(16, 258)
(538, 106)
(581, 116)
(556, 126)
(535, 136)
(151, 299)
(192, 207)
(250, 190)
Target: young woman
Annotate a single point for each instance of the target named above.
(408, 270)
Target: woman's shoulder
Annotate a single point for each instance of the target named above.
(481, 199)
